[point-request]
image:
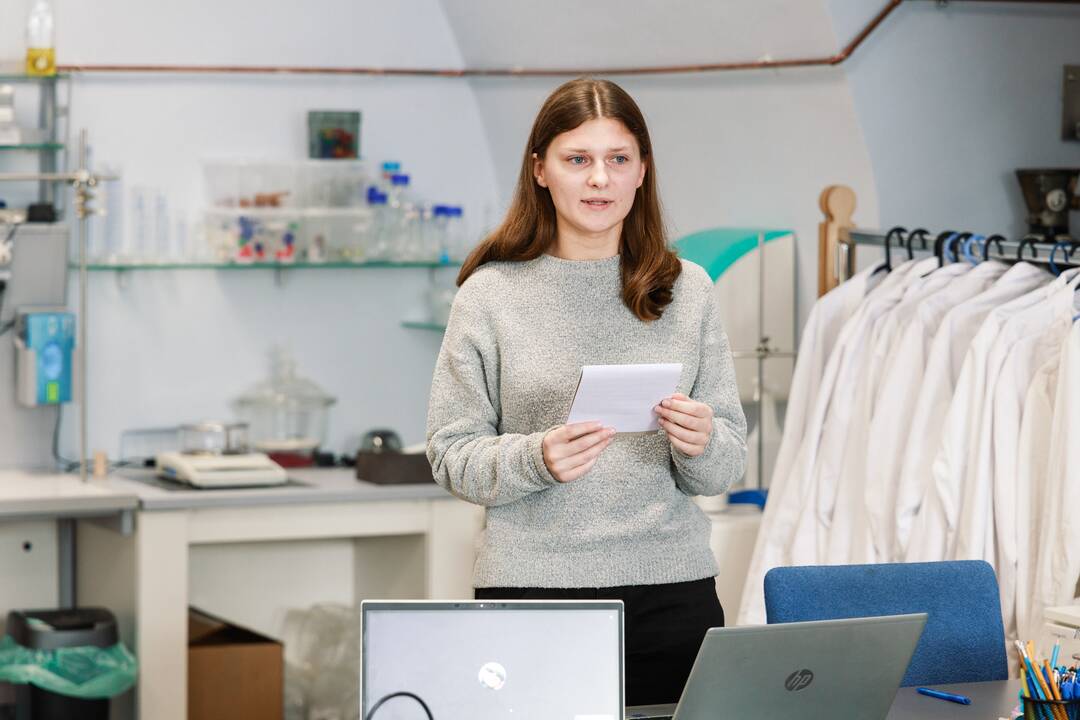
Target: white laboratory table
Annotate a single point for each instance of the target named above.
(27, 495)
(143, 576)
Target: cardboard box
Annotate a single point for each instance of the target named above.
(233, 673)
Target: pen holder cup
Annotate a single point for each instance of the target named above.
(1051, 709)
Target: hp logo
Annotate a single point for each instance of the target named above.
(799, 680)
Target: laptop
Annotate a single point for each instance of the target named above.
(810, 670)
(481, 660)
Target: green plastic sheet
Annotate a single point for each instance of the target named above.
(85, 672)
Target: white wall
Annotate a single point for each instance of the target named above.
(744, 148)
(731, 149)
(170, 347)
(952, 100)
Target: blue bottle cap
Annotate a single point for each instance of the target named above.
(399, 179)
(377, 198)
(391, 167)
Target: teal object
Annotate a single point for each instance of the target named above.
(717, 249)
(51, 336)
(86, 672)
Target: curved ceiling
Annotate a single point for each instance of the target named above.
(606, 33)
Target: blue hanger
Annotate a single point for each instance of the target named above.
(1053, 251)
(967, 248)
(939, 242)
(950, 245)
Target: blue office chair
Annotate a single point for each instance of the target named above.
(964, 640)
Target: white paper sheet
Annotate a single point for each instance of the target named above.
(623, 396)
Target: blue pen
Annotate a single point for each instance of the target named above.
(1054, 655)
(1033, 680)
(951, 697)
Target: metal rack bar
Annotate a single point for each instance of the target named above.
(1007, 253)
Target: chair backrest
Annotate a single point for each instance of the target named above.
(964, 640)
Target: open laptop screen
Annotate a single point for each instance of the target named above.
(485, 660)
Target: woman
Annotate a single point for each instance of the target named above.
(579, 273)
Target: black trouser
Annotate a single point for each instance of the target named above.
(665, 625)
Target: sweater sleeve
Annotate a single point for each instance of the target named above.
(468, 456)
(724, 459)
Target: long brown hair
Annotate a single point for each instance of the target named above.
(648, 267)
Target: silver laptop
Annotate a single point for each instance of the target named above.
(810, 670)
(484, 660)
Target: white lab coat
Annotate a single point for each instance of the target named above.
(824, 458)
(827, 318)
(953, 474)
(1026, 342)
(1058, 564)
(1033, 460)
(924, 535)
(892, 425)
(849, 539)
(974, 538)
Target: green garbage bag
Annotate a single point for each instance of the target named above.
(86, 672)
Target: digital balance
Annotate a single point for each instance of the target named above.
(215, 455)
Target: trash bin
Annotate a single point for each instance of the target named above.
(55, 630)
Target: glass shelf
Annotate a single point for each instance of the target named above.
(6, 76)
(423, 325)
(101, 267)
(37, 147)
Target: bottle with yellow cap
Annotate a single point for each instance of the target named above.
(40, 52)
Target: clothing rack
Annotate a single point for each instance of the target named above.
(839, 240)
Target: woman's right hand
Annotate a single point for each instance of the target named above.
(570, 451)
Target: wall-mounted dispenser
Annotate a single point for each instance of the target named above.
(44, 347)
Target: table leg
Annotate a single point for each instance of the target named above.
(161, 603)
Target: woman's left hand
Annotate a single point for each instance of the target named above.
(688, 423)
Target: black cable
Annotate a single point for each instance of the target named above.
(391, 696)
(4, 327)
(67, 465)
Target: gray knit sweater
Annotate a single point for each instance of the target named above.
(518, 335)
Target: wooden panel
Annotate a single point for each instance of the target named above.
(837, 202)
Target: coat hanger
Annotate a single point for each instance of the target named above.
(921, 234)
(952, 242)
(1060, 245)
(967, 248)
(938, 245)
(1030, 239)
(986, 246)
(898, 232)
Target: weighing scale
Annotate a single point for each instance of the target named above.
(207, 470)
